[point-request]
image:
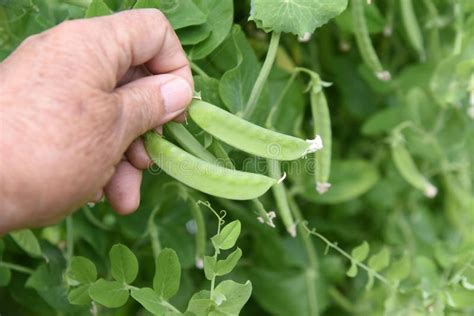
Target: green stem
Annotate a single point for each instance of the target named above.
(153, 231)
(16, 267)
(341, 300)
(78, 3)
(69, 238)
(198, 70)
(93, 220)
(312, 273)
(279, 191)
(348, 256)
(200, 232)
(263, 76)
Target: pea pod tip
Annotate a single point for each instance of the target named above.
(323, 187)
(431, 191)
(314, 145)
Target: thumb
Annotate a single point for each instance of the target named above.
(152, 101)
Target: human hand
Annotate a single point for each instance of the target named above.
(73, 102)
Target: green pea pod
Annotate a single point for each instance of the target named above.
(409, 171)
(188, 142)
(364, 43)
(412, 27)
(200, 232)
(322, 127)
(249, 137)
(204, 176)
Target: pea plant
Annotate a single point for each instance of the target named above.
(337, 138)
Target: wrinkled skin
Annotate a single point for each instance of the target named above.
(73, 102)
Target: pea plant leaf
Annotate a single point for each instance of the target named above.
(150, 300)
(180, 13)
(199, 303)
(358, 254)
(299, 17)
(361, 252)
(236, 84)
(124, 264)
(27, 241)
(380, 260)
(209, 267)
(168, 274)
(232, 296)
(225, 266)
(399, 270)
(98, 8)
(79, 295)
(227, 238)
(111, 294)
(219, 22)
(81, 271)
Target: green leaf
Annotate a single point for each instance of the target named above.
(124, 264)
(27, 241)
(236, 84)
(227, 238)
(352, 272)
(180, 13)
(299, 17)
(225, 266)
(234, 296)
(98, 8)
(380, 260)
(81, 271)
(220, 15)
(399, 270)
(361, 252)
(209, 267)
(150, 301)
(111, 294)
(168, 274)
(193, 35)
(5, 276)
(200, 303)
(79, 295)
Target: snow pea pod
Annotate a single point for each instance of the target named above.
(409, 171)
(204, 176)
(412, 27)
(322, 126)
(364, 43)
(249, 137)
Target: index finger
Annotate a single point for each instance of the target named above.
(144, 36)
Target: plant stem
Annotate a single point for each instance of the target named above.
(93, 220)
(263, 76)
(312, 272)
(279, 192)
(153, 231)
(348, 256)
(69, 238)
(341, 300)
(198, 70)
(16, 267)
(78, 3)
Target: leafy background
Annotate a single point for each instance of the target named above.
(421, 250)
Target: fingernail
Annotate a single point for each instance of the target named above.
(176, 95)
